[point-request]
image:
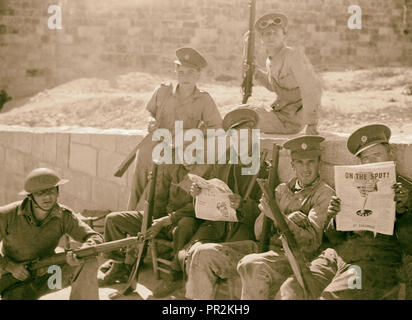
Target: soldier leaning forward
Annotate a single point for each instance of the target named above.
(31, 230)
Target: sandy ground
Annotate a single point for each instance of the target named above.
(351, 98)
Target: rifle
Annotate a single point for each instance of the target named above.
(273, 181)
(147, 222)
(7, 279)
(294, 254)
(130, 157)
(247, 83)
(252, 182)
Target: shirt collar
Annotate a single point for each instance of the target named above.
(295, 186)
(25, 209)
(195, 94)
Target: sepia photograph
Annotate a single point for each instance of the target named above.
(205, 154)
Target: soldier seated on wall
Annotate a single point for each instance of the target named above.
(291, 76)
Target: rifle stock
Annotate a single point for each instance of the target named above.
(247, 83)
(8, 281)
(273, 181)
(147, 221)
(130, 157)
(292, 250)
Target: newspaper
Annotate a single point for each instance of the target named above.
(366, 197)
(213, 201)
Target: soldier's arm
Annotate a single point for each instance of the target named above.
(262, 77)
(309, 85)
(3, 226)
(310, 235)
(210, 113)
(79, 230)
(151, 105)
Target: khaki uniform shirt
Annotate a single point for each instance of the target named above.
(312, 201)
(199, 109)
(292, 77)
(23, 239)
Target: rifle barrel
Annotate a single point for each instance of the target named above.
(85, 252)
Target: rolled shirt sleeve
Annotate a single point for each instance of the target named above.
(79, 230)
(210, 113)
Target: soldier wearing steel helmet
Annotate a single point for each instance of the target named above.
(31, 229)
(291, 76)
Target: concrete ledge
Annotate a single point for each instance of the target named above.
(89, 157)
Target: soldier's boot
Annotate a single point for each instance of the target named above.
(106, 266)
(118, 273)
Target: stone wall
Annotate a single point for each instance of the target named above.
(89, 157)
(108, 37)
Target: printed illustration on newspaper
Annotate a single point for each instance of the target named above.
(366, 197)
(213, 201)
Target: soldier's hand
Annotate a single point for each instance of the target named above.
(18, 270)
(311, 129)
(401, 195)
(72, 259)
(300, 219)
(264, 207)
(334, 207)
(157, 225)
(195, 190)
(235, 200)
(152, 126)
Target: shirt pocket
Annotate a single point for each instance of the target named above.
(287, 80)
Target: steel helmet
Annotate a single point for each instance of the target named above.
(41, 179)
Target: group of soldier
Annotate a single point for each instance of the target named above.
(207, 253)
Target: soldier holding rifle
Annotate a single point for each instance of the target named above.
(377, 256)
(184, 102)
(303, 201)
(31, 229)
(290, 75)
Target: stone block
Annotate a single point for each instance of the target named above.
(37, 149)
(105, 194)
(107, 164)
(14, 161)
(83, 158)
(103, 141)
(79, 185)
(83, 138)
(62, 149)
(50, 147)
(126, 143)
(22, 141)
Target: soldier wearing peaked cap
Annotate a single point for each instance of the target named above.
(240, 116)
(183, 102)
(38, 222)
(291, 76)
(379, 256)
(304, 201)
